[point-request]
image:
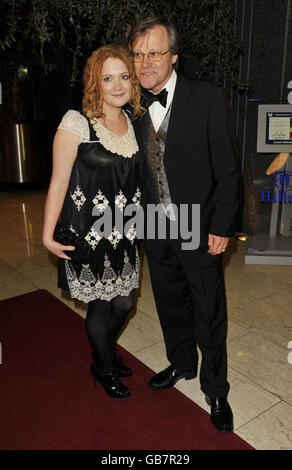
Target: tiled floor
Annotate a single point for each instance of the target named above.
(259, 308)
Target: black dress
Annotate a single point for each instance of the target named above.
(101, 180)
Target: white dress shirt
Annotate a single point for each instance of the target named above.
(156, 110)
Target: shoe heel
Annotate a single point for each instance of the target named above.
(114, 389)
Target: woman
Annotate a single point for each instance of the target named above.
(96, 167)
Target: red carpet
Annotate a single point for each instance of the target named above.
(48, 401)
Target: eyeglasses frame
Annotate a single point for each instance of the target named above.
(162, 53)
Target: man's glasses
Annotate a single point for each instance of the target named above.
(153, 56)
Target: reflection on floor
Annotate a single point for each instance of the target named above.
(259, 308)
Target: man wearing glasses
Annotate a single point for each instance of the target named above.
(191, 151)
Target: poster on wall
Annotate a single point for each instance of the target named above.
(274, 128)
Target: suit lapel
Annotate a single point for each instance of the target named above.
(179, 111)
(141, 129)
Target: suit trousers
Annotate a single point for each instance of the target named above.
(189, 293)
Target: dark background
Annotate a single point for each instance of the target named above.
(262, 70)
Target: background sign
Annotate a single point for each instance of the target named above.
(274, 128)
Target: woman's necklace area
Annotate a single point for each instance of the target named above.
(124, 144)
(119, 128)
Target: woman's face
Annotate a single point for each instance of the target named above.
(116, 86)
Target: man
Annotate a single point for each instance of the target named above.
(191, 152)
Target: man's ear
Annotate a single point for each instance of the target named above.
(174, 58)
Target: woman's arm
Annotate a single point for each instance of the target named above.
(65, 149)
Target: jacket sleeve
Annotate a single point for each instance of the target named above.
(225, 162)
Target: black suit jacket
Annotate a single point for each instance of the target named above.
(201, 155)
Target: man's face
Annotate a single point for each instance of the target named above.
(154, 75)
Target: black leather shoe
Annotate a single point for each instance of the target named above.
(168, 378)
(221, 414)
(120, 367)
(111, 383)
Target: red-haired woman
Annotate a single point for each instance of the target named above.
(97, 166)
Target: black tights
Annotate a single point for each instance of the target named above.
(103, 322)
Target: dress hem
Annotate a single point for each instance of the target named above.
(108, 298)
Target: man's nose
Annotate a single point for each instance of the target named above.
(146, 61)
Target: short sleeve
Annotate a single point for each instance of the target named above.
(75, 123)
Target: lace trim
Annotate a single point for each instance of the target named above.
(87, 287)
(76, 123)
(125, 145)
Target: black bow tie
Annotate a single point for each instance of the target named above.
(149, 98)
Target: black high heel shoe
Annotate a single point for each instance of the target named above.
(121, 369)
(111, 384)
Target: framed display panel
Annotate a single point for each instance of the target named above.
(274, 128)
(269, 182)
(270, 205)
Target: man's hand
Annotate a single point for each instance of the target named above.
(217, 244)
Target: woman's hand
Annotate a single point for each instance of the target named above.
(57, 248)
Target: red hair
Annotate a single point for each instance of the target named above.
(92, 102)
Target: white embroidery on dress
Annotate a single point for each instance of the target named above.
(73, 229)
(76, 123)
(131, 234)
(121, 200)
(114, 237)
(100, 201)
(93, 238)
(125, 145)
(87, 287)
(137, 197)
(78, 197)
